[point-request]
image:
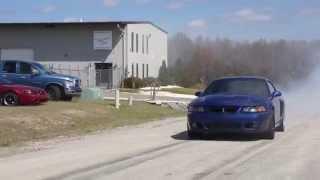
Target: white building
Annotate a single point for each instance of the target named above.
(147, 48)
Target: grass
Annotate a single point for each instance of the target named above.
(22, 124)
(187, 91)
(129, 90)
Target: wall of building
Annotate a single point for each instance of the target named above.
(60, 42)
(65, 45)
(153, 57)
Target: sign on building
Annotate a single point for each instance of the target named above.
(102, 40)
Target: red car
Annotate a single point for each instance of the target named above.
(13, 94)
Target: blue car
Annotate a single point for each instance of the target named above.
(250, 105)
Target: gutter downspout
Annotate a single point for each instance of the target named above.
(122, 31)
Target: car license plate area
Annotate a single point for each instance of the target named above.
(224, 125)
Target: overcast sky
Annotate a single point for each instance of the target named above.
(234, 19)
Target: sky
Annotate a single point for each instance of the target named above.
(233, 19)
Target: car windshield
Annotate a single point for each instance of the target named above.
(253, 87)
(4, 81)
(43, 68)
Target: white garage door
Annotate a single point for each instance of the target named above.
(17, 54)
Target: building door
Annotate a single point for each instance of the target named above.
(17, 54)
(104, 76)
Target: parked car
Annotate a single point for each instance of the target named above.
(13, 94)
(237, 105)
(58, 86)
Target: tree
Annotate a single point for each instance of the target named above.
(203, 59)
(164, 76)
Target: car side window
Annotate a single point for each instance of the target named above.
(25, 68)
(9, 67)
(271, 88)
(34, 70)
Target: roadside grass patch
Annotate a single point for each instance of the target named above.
(22, 124)
(187, 91)
(128, 90)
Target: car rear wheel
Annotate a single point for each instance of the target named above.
(281, 127)
(10, 99)
(54, 93)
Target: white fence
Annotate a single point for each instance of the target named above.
(90, 77)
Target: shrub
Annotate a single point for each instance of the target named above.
(136, 83)
(151, 81)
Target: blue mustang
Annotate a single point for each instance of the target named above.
(237, 105)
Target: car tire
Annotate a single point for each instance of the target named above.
(10, 99)
(281, 127)
(54, 93)
(67, 98)
(270, 134)
(193, 135)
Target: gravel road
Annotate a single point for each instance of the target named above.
(160, 150)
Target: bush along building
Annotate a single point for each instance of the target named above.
(101, 54)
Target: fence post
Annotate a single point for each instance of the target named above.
(117, 99)
(89, 75)
(154, 92)
(130, 101)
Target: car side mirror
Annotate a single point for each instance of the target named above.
(198, 94)
(276, 94)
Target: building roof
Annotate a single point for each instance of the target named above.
(85, 22)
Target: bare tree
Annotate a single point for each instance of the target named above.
(201, 60)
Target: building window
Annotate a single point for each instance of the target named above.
(147, 45)
(143, 71)
(137, 43)
(137, 69)
(132, 70)
(132, 41)
(142, 44)
(147, 70)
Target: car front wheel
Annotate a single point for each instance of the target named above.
(270, 134)
(10, 99)
(67, 98)
(193, 135)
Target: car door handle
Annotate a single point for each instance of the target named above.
(24, 77)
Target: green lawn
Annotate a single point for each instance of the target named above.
(21, 124)
(128, 90)
(187, 91)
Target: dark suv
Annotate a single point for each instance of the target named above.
(58, 86)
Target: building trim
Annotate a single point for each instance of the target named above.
(85, 22)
